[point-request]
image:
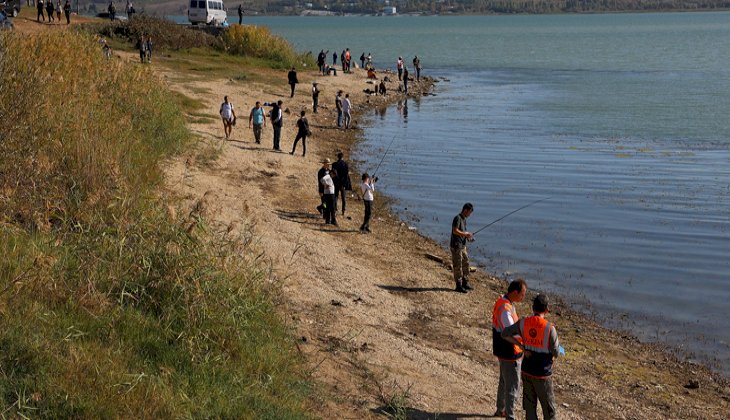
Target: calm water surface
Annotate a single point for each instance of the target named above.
(620, 119)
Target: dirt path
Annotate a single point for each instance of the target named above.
(376, 319)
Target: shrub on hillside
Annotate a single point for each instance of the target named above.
(165, 34)
(256, 41)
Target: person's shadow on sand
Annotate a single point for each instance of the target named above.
(403, 289)
(416, 414)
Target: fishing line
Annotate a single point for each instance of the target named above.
(384, 155)
(511, 213)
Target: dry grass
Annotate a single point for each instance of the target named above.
(110, 305)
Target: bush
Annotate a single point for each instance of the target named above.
(109, 307)
(166, 35)
(259, 42)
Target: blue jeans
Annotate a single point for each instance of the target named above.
(339, 119)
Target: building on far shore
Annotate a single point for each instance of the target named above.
(389, 10)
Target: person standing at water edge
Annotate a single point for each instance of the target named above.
(240, 14)
(277, 121)
(342, 181)
(362, 60)
(509, 355)
(417, 66)
(315, 96)
(302, 133)
(334, 58)
(338, 105)
(112, 9)
(368, 189)
(540, 344)
(256, 116)
(228, 115)
(399, 66)
(405, 79)
(292, 76)
(459, 257)
(346, 108)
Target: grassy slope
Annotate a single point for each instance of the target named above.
(110, 305)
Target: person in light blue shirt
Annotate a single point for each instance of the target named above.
(256, 117)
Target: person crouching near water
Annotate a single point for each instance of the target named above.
(228, 115)
(504, 314)
(459, 257)
(540, 344)
(328, 197)
(368, 188)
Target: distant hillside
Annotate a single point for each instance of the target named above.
(291, 7)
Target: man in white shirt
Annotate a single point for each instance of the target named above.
(346, 108)
(368, 188)
(328, 197)
(228, 115)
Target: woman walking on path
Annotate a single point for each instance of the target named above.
(41, 17)
(67, 11)
(228, 115)
(302, 133)
(49, 11)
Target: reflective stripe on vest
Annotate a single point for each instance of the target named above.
(502, 348)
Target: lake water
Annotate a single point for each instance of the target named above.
(620, 119)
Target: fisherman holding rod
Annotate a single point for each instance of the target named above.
(459, 256)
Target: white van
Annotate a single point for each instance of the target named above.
(209, 12)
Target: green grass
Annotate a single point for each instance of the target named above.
(111, 306)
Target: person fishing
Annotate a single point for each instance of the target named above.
(459, 257)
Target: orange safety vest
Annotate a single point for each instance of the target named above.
(503, 349)
(536, 338)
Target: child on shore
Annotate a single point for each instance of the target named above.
(368, 188)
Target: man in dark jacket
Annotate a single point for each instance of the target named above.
(320, 187)
(342, 181)
(292, 80)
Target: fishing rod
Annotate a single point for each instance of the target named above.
(511, 213)
(384, 155)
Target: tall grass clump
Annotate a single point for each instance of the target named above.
(259, 42)
(166, 35)
(109, 306)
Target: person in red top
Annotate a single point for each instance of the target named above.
(504, 314)
(540, 344)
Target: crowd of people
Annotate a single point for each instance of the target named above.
(52, 9)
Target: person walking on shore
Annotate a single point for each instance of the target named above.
(315, 96)
(348, 60)
(292, 76)
(240, 14)
(346, 109)
(338, 106)
(257, 118)
(228, 115)
(368, 189)
(277, 121)
(509, 355)
(142, 47)
(342, 181)
(399, 66)
(58, 10)
(67, 11)
(40, 6)
(112, 9)
(540, 344)
(459, 256)
(328, 195)
(148, 49)
(417, 66)
(342, 61)
(49, 11)
(302, 133)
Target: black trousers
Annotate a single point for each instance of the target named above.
(303, 137)
(329, 209)
(368, 213)
(340, 192)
